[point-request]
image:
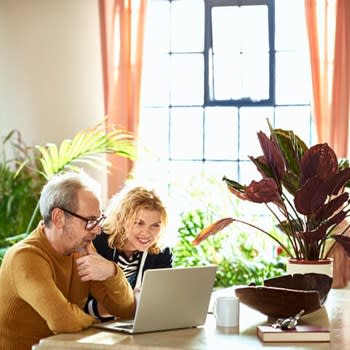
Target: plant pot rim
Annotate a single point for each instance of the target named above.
(310, 262)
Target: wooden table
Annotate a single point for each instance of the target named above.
(336, 314)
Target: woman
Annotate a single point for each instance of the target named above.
(131, 234)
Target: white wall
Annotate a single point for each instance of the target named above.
(50, 69)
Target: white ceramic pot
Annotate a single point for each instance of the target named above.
(324, 266)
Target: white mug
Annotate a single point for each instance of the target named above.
(226, 311)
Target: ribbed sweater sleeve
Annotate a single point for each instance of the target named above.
(33, 279)
(115, 294)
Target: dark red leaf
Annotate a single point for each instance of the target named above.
(273, 156)
(319, 160)
(264, 191)
(331, 207)
(336, 219)
(338, 181)
(315, 235)
(312, 237)
(212, 229)
(310, 197)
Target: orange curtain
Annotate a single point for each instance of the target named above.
(341, 80)
(122, 31)
(328, 25)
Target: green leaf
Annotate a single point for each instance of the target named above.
(83, 148)
(292, 147)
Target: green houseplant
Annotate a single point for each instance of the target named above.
(19, 185)
(43, 162)
(303, 189)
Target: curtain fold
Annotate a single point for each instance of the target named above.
(328, 25)
(122, 30)
(321, 30)
(341, 81)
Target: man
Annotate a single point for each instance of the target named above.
(45, 279)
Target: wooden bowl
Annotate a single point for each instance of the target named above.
(287, 295)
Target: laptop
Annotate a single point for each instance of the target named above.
(170, 298)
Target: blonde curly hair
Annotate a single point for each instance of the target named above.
(122, 211)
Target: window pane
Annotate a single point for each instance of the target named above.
(241, 61)
(153, 148)
(187, 75)
(248, 172)
(155, 87)
(153, 141)
(158, 16)
(221, 141)
(225, 21)
(292, 79)
(254, 37)
(253, 120)
(227, 77)
(191, 183)
(181, 176)
(182, 171)
(233, 31)
(290, 25)
(295, 118)
(241, 76)
(255, 76)
(218, 170)
(186, 133)
(187, 20)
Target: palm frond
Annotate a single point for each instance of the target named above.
(84, 148)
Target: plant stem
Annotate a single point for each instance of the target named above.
(289, 235)
(36, 209)
(296, 240)
(268, 234)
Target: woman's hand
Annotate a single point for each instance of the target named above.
(102, 311)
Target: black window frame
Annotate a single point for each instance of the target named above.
(208, 46)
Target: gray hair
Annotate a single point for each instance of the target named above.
(61, 191)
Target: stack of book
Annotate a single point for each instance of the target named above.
(302, 333)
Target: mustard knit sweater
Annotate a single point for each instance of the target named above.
(41, 294)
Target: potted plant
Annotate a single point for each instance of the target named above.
(303, 189)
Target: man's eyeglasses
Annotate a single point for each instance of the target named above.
(90, 223)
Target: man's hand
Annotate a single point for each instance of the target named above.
(94, 267)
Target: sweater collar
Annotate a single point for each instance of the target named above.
(39, 233)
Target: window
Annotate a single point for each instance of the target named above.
(239, 53)
(214, 71)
